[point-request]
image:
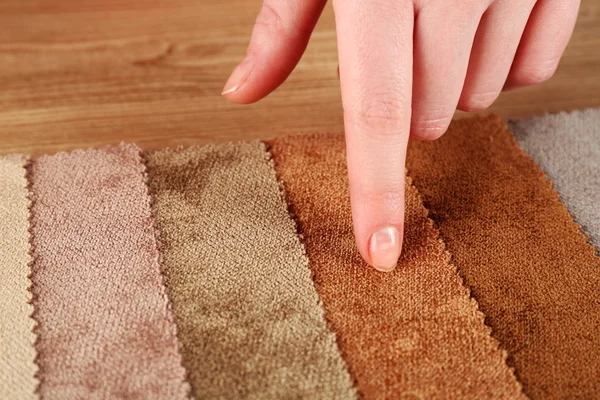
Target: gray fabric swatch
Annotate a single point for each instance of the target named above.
(567, 147)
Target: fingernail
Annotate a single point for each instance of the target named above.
(239, 76)
(384, 248)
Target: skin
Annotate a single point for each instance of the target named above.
(405, 67)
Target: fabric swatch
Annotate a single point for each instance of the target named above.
(105, 330)
(567, 147)
(230, 271)
(412, 333)
(248, 316)
(535, 277)
(17, 351)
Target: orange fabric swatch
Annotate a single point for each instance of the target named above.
(528, 265)
(414, 331)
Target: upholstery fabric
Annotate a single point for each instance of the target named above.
(17, 353)
(230, 272)
(535, 277)
(105, 330)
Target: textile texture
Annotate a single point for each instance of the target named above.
(248, 314)
(104, 327)
(567, 147)
(526, 262)
(17, 353)
(230, 271)
(413, 331)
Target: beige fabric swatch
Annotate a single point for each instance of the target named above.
(105, 330)
(17, 351)
(249, 318)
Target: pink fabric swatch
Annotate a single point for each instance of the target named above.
(105, 329)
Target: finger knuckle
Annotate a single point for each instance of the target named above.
(430, 128)
(388, 197)
(270, 21)
(382, 115)
(537, 74)
(478, 101)
(472, 8)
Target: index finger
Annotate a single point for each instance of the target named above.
(375, 53)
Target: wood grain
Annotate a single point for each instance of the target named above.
(79, 73)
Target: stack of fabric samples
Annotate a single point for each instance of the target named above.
(229, 271)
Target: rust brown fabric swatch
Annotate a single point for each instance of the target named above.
(248, 315)
(412, 333)
(104, 327)
(17, 352)
(527, 263)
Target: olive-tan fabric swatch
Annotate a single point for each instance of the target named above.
(249, 319)
(567, 147)
(535, 277)
(105, 330)
(412, 333)
(17, 351)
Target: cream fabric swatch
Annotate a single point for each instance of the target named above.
(17, 352)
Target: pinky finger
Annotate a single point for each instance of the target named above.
(545, 38)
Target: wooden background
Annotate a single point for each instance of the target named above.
(80, 73)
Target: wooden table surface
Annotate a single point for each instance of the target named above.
(80, 73)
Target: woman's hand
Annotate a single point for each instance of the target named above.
(405, 66)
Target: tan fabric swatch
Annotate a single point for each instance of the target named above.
(104, 326)
(412, 333)
(526, 262)
(248, 315)
(17, 351)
